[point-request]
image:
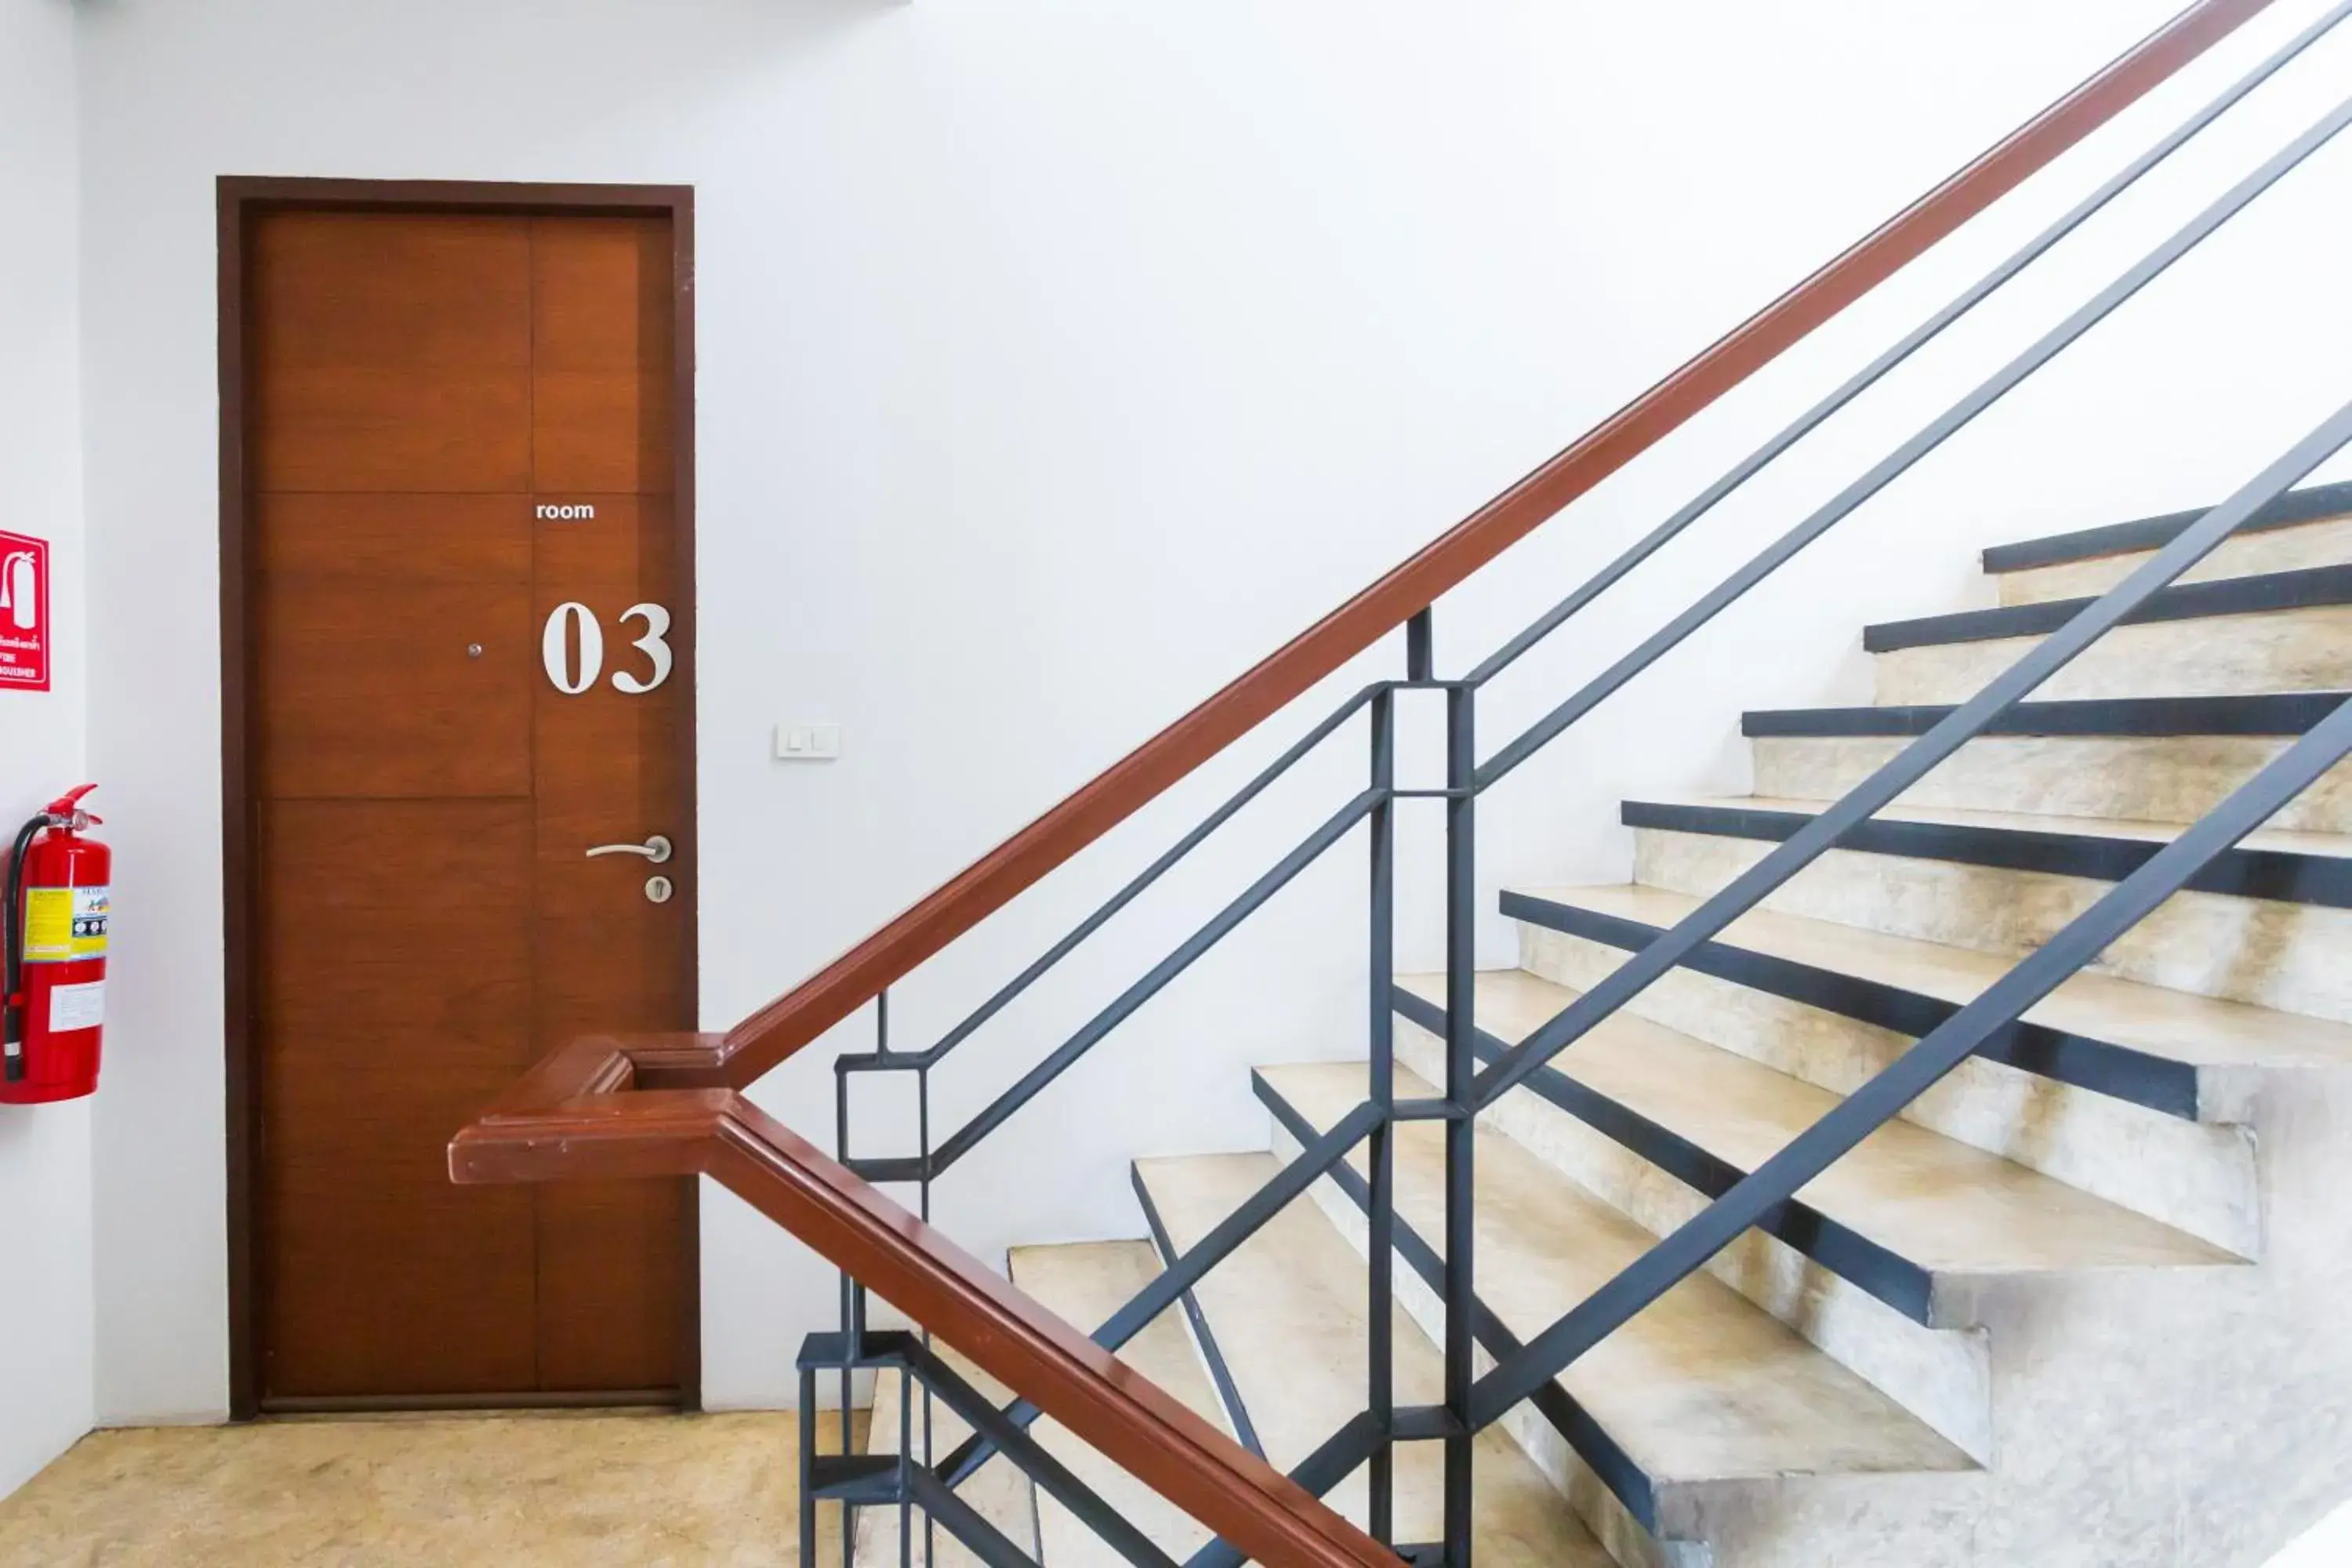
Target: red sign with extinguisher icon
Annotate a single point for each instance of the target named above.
(24, 612)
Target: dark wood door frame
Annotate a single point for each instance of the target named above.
(240, 199)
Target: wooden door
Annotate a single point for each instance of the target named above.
(458, 431)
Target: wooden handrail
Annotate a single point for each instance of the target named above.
(792, 1020)
(579, 1117)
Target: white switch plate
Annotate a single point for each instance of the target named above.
(808, 743)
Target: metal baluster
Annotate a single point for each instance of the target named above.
(849, 1335)
(923, 1192)
(906, 1471)
(906, 1387)
(1461, 1074)
(853, 1307)
(853, 1324)
(1380, 1251)
(808, 1464)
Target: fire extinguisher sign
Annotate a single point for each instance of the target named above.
(24, 612)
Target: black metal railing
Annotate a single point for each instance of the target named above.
(1529, 1369)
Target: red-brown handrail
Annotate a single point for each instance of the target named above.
(575, 1117)
(792, 1020)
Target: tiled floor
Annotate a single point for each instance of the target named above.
(579, 1491)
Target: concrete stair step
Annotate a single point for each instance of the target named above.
(2139, 1095)
(1085, 1283)
(1289, 1312)
(2307, 527)
(2283, 651)
(2263, 924)
(2274, 714)
(2272, 632)
(2289, 865)
(2172, 1051)
(1702, 1402)
(2174, 778)
(1924, 1222)
(2309, 587)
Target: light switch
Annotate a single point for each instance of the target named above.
(808, 743)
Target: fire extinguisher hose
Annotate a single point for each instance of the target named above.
(12, 940)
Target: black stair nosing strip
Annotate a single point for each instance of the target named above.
(1576, 1425)
(2256, 714)
(2082, 1061)
(2311, 504)
(1870, 1266)
(1227, 1390)
(2305, 588)
(2278, 876)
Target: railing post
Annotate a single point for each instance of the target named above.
(907, 1469)
(1461, 1074)
(853, 1341)
(923, 1154)
(906, 1383)
(853, 1299)
(808, 1462)
(1380, 1253)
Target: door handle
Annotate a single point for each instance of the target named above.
(655, 849)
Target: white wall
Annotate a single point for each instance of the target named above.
(45, 1151)
(1058, 359)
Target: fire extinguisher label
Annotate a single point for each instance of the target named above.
(77, 1006)
(63, 925)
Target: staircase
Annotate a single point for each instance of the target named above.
(2083, 1304)
(1933, 1158)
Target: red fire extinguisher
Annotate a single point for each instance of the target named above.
(53, 926)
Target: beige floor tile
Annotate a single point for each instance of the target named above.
(581, 1490)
